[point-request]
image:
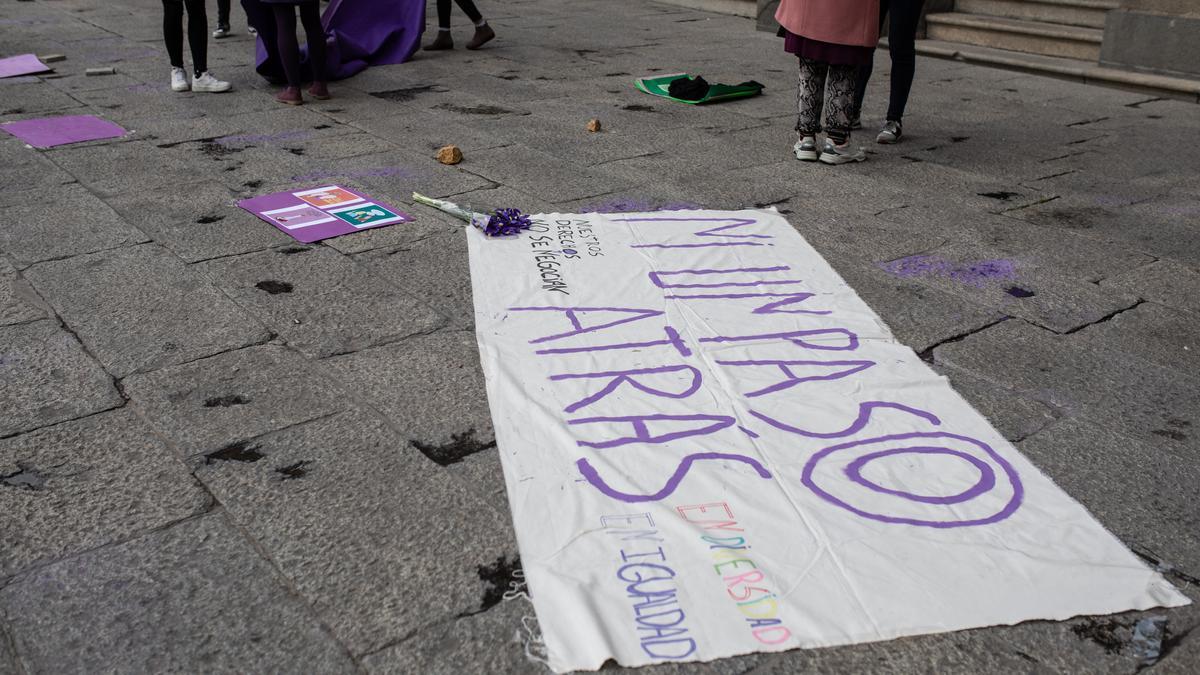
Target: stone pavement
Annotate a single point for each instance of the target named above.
(203, 472)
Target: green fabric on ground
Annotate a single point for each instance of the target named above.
(717, 93)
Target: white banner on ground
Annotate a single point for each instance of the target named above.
(712, 446)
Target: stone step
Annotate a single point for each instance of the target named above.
(1031, 37)
(1075, 70)
(1087, 13)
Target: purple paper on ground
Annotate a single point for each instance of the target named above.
(22, 64)
(359, 33)
(320, 213)
(48, 132)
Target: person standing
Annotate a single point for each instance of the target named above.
(289, 48)
(831, 39)
(903, 17)
(197, 37)
(483, 32)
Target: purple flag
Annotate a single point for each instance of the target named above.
(27, 64)
(359, 33)
(323, 212)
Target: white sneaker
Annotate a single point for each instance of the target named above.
(841, 154)
(222, 32)
(806, 149)
(207, 83)
(179, 81)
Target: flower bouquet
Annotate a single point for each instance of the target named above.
(498, 223)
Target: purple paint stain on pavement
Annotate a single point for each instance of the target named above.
(977, 274)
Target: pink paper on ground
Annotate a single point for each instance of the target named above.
(23, 64)
(47, 132)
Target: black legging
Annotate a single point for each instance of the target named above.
(468, 8)
(902, 36)
(197, 32)
(222, 13)
(289, 47)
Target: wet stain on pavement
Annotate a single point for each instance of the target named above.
(478, 109)
(253, 184)
(1107, 633)
(205, 220)
(225, 401)
(1002, 195)
(293, 471)
(274, 287)
(402, 95)
(638, 107)
(459, 448)
(24, 478)
(1018, 292)
(242, 451)
(293, 250)
(497, 577)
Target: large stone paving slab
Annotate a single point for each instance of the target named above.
(430, 387)
(322, 302)
(1131, 486)
(78, 485)
(162, 603)
(18, 301)
(220, 402)
(206, 225)
(381, 540)
(490, 642)
(67, 222)
(1146, 402)
(48, 378)
(1158, 334)
(1165, 281)
(437, 265)
(140, 308)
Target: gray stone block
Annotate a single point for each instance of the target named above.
(430, 387)
(919, 316)
(19, 303)
(104, 169)
(207, 224)
(162, 602)
(322, 302)
(1165, 282)
(140, 308)
(1151, 332)
(1015, 416)
(374, 573)
(72, 222)
(79, 485)
(213, 403)
(48, 378)
(1144, 493)
(1146, 402)
(439, 266)
(490, 642)
(1152, 42)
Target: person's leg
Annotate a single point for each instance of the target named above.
(864, 71)
(173, 31)
(223, 14)
(902, 35)
(839, 106)
(197, 32)
(288, 44)
(483, 32)
(810, 96)
(839, 102)
(314, 33)
(443, 39)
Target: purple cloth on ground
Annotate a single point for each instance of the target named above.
(826, 52)
(47, 132)
(320, 213)
(360, 33)
(25, 64)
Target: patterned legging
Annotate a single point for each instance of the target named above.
(811, 99)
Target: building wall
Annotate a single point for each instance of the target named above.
(1159, 36)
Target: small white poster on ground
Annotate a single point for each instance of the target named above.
(712, 446)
